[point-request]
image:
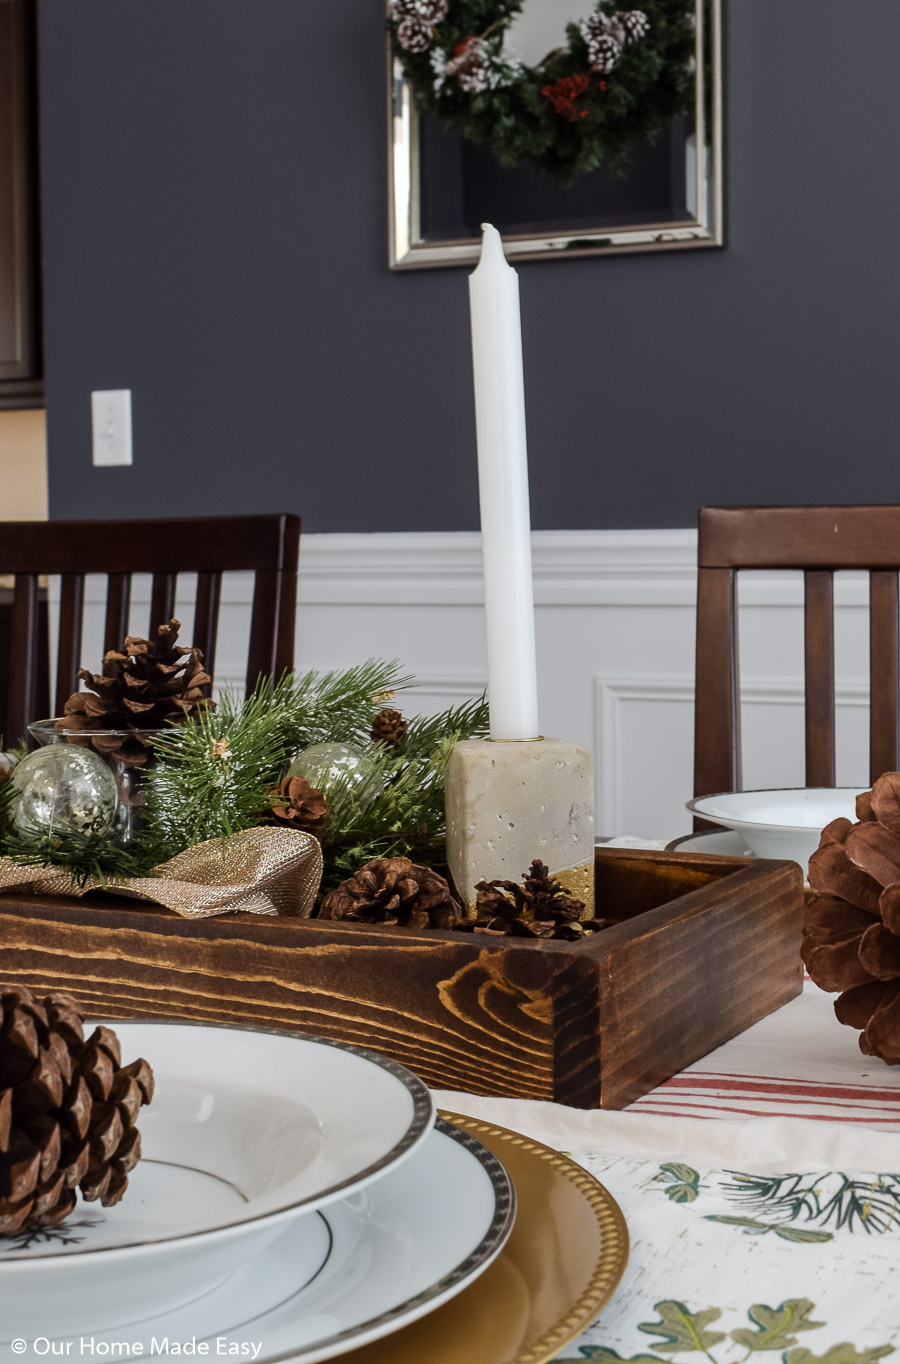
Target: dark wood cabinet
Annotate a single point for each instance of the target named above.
(20, 330)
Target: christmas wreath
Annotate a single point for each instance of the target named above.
(622, 77)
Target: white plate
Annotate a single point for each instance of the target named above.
(247, 1131)
(350, 1274)
(780, 823)
(721, 842)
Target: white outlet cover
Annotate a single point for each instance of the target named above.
(111, 417)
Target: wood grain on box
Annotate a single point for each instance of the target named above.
(699, 948)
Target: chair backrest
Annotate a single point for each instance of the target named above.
(818, 540)
(268, 546)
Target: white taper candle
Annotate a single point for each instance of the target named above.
(503, 492)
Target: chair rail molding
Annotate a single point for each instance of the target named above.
(615, 631)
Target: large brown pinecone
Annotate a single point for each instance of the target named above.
(388, 727)
(146, 685)
(851, 927)
(68, 1109)
(393, 890)
(298, 804)
(539, 908)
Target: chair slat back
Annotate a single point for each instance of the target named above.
(820, 541)
(884, 653)
(206, 616)
(818, 650)
(118, 607)
(23, 682)
(268, 546)
(71, 621)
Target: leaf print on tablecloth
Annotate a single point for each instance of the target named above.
(609, 1356)
(682, 1329)
(776, 1325)
(683, 1180)
(752, 1227)
(845, 1353)
(869, 1203)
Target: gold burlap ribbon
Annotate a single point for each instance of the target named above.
(260, 871)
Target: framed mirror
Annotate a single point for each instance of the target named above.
(574, 127)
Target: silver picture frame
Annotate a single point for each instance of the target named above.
(412, 249)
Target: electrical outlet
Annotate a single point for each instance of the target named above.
(111, 414)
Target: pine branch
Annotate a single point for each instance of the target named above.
(84, 856)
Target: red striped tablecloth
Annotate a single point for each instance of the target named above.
(798, 1063)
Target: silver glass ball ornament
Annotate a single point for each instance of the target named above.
(63, 790)
(330, 765)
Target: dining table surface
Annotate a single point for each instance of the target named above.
(761, 1188)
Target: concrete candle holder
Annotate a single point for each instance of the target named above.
(509, 803)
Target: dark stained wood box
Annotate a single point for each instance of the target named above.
(700, 948)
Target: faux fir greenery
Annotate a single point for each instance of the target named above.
(213, 777)
(563, 117)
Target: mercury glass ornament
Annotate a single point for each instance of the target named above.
(64, 790)
(326, 766)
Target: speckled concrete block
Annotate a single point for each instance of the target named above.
(508, 803)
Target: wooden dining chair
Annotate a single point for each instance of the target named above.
(818, 540)
(267, 546)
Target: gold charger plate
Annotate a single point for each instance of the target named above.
(560, 1266)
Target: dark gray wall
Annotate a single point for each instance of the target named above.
(214, 235)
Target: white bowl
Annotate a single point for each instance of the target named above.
(780, 824)
(247, 1132)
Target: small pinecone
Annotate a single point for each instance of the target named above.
(432, 11)
(539, 908)
(68, 1109)
(414, 35)
(389, 727)
(296, 803)
(633, 23)
(393, 890)
(604, 51)
(851, 926)
(471, 66)
(146, 685)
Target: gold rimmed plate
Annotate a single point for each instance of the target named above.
(557, 1271)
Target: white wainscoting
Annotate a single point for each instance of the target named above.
(615, 631)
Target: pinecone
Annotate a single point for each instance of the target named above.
(539, 908)
(389, 727)
(851, 926)
(471, 66)
(633, 23)
(146, 685)
(67, 1111)
(432, 11)
(393, 890)
(604, 49)
(414, 35)
(297, 803)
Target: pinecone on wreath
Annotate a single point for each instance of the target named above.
(851, 926)
(604, 48)
(432, 11)
(145, 685)
(471, 65)
(388, 727)
(414, 35)
(393, 890)
(298, 804)
(68, 1109)
(633, 23)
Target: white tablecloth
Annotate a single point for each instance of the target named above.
(774, 1229)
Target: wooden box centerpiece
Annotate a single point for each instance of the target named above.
(697, 949)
